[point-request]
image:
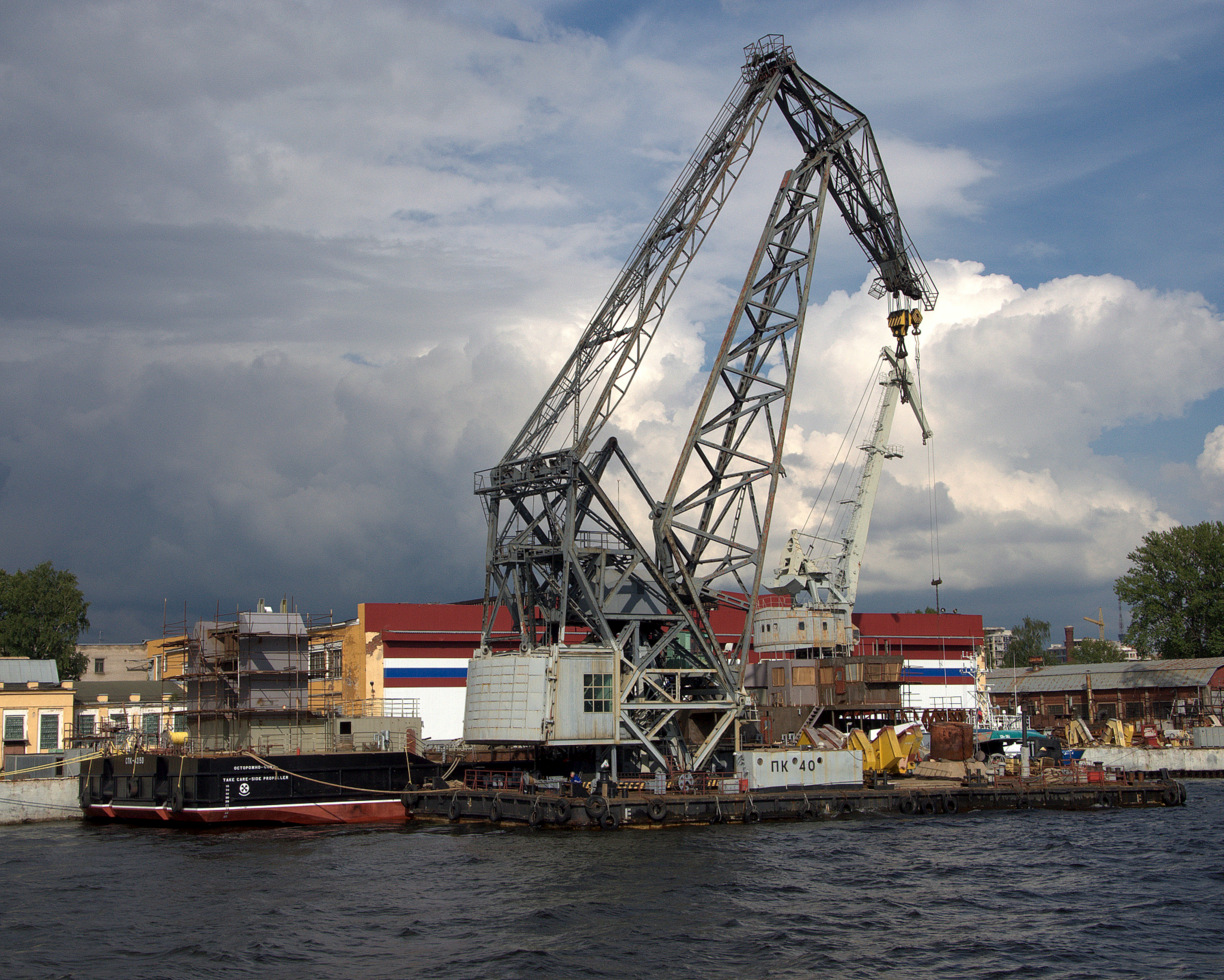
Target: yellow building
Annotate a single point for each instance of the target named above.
(35, 708)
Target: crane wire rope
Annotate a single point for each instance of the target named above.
(932, 501)
(841, 459)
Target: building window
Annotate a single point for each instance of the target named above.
(99, 665)
(48, 733)
(85, 723)
(150, 724)
(597, 692)
(180, 722)
(14, 727)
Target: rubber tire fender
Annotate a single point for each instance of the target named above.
(657, 811)
(453, 813)
(133, 787)
(106, 790)
(928, 807)
(177, 800)
(410, 800)
(950, 804)
(752, 815)
(535, 818)
(86, 797)
(495, 813)
(562, 810)
(1171, 796)
(608, 820)
(596, 807)
(908, 806)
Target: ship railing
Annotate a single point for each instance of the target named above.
(382, 708)
(495, 779)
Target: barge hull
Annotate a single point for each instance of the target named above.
(909, 801)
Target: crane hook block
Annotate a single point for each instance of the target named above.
(900, 321)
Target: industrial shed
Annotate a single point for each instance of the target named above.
(1144, 690)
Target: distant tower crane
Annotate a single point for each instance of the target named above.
(1099, 621)
(597, 627)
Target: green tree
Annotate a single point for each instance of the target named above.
(1175, 588)
(1028, 640)
(1095, 651)
(42, 612)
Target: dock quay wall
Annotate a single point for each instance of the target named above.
(1180, 762)
(28, 800)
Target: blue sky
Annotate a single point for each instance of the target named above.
(277, 279)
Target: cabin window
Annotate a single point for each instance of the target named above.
(597, 692)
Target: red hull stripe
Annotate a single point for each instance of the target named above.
(341, 811)
(424, 681)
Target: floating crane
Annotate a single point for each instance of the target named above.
(597, 627)
(823, 588)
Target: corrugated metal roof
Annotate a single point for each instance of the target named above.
(22, 670)
(1105, 677)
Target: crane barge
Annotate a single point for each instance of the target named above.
(612, 605)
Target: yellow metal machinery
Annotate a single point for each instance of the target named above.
(888, 752)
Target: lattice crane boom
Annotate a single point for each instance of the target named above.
(578, 580)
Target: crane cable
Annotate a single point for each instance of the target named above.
(936, 570)
(841, 459)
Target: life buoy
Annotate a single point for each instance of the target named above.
(907, 805)
(657, 810)
(596, 806)
(609, 820)
(950, 805)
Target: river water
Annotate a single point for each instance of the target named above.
(1109, 893)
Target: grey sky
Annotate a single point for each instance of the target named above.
(275, 279)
